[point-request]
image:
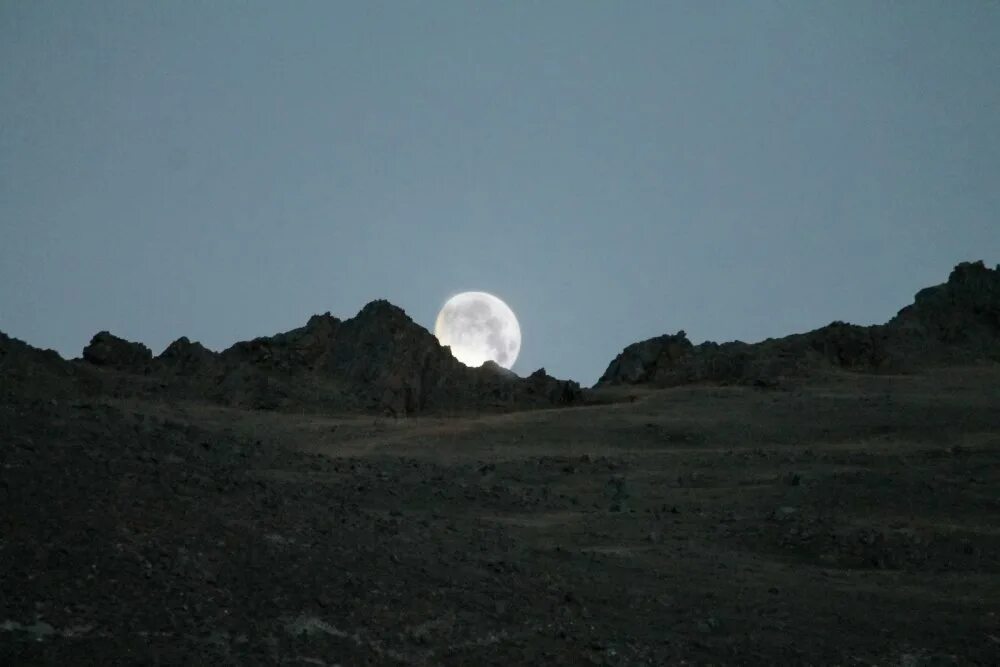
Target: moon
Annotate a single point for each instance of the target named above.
(479, 327)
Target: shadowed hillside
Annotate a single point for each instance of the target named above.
(152, 513)
(956, 322)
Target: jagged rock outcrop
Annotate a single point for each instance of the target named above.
(306, 348)
(961, 315)
(639, 362)
(553, 390)
(401, 366)
(379, 360)
(32, 373)
(114, 352)
(955, 322)
(186, 357)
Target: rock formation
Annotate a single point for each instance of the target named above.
(379, 360)
(956, 322)
(185, 357)
(114, 352)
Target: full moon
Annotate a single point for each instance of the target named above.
(479, 327)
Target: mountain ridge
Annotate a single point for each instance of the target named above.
(955, 322)
(380, 360)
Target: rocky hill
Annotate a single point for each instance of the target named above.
(379, 360)
(956, 322)
(382, 361)
(700, 525)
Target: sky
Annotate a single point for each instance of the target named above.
(612, 170)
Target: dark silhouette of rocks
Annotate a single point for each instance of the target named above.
(28, 372)
(960, 316)
(379, 360)
(639, 362)
(185, 357)
(955, 322)
(114, 352)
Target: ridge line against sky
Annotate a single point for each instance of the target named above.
(612, 172)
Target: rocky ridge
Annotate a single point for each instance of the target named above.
(700, 525)
(955, 322)
(382, 361)
(379, 360)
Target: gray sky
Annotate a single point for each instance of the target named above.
(613, 170)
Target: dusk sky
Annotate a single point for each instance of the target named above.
(613, 171)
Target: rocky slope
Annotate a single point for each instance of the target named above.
(849, 522)
(956, 322)
(380, 360)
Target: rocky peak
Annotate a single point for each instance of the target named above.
(29, 372)
(324, 322)
(964, 310)
(108, 350)
(494, 369)
(186, 356)
(378, 360)
(639, 361)
(957, 321)
(381, 310)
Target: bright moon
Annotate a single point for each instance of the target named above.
(478, 327)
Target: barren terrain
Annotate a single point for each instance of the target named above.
(843, 519)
